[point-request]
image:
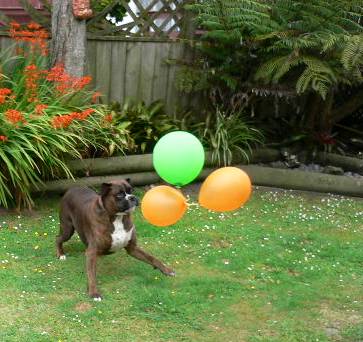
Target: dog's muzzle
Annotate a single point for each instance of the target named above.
(133, 200)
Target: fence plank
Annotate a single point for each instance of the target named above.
(91, 60)
(148, 52)
(103, 68)
(173, 96)
(161, 69)
(118, 70)
(132, 75)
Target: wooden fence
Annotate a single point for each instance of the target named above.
(125, 68)
(131, 59)
(138, 69)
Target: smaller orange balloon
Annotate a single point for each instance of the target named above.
(225, 189)
(163, 206)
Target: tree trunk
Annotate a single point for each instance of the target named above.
(326, 120)
(313, 108)
(319, 113)
(68, 45)
(349, 107)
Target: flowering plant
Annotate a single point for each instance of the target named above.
(46, 117)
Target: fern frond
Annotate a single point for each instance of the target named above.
(330, 41)
(352, 55)
(276, 68)
(317, 75)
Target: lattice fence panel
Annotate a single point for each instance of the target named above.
(147, 18)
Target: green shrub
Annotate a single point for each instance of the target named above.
(46, 117)
(116, 10)
(146, 123)
(251, 49)
(224, 134)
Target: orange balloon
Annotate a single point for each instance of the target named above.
(225, 189)
(163, 206)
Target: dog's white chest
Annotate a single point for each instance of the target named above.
(120, 237)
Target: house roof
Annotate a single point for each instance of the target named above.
(14, 10)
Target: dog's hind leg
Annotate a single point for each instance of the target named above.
(66, 231)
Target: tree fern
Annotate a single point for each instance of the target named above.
(313, 77)
(274, 69)
(232, 15)
(309, 43)
(352, 56)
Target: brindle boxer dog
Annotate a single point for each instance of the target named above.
(104, 224)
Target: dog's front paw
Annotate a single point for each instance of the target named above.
(96, 297)
(168, 272)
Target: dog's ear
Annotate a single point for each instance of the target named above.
(128, 180)
(105, 189)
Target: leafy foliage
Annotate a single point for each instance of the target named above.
(29, 153)
(146, 123)
(223, 134)
(352, 56)
(116, 9)
(310, 45)
(46, 117)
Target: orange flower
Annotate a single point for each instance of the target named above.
(33, 26)
(108, 117)
(64, 83)
(36, 36)
(81, 82)
(4, 92)
(14, 116)
(31, 67)
(39, 108)
(61, 79)
(62, 121)
(56, 73)
(32, 76)
(14, 25)
(83, 115)
(3, 138)
(95, 96)
(86, 113)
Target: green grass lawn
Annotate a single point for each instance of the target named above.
(286, 267)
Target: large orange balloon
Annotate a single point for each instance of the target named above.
(163, 206)
(225, 189)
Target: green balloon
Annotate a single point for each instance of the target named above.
(178, 157)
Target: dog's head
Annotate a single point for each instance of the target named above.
(117, 197)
